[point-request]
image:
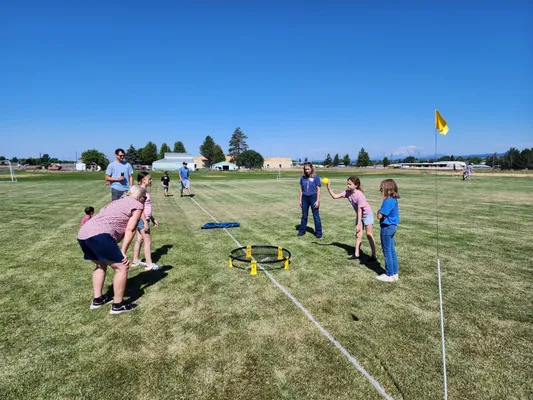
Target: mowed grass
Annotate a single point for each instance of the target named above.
(206, 331)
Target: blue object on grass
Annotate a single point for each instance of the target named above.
(211, 225)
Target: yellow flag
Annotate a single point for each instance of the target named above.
(440, 123)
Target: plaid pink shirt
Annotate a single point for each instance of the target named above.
(111, 219)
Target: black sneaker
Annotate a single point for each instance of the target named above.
(353, 257)
(301, 233)
(118, 308)
(100, 301)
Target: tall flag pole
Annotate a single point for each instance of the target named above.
(442, 127)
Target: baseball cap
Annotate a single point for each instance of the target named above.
(184, 163)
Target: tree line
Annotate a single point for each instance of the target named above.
(241, 155)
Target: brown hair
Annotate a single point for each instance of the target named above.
(389, 188)
(308, 164)
(356, 181)
(141, 175)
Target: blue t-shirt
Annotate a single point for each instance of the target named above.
(310, 184)
(184, 173)
(115, 170)
(390, 211)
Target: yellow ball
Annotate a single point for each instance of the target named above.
(325, 181)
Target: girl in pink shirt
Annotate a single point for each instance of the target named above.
(364, 214)
(144, 179)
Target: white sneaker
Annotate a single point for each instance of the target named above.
(152, 267)
(385, 278)
(395, 277)
(137, 264)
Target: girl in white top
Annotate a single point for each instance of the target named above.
(364, 214)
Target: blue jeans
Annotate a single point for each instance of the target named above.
(309, 201)
(389, 252)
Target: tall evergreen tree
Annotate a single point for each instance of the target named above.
(165, 148)
(328, 161)
(179, 147)
(207, 149)
(218, 154)
(346, 160)
(132, 155)
(237, 144)
(336, 160)
(363, 159)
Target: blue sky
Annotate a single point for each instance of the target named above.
(301, 79)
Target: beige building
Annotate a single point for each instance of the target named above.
(277, 163)
(270, 162)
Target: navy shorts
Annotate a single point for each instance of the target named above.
(101, 248)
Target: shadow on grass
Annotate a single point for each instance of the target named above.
(136, 284)
(160, 252)
(307, 230)
(364, 258)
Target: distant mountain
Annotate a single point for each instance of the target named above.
(432, 156)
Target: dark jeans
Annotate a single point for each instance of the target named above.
(309, 201)
(389, 252)
(116, 194)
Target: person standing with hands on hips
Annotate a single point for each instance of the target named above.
(185, 183)
(310, 197)
(120, 174)
(389, 219)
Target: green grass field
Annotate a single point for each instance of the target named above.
(203, 330)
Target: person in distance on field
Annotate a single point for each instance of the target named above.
(185, 182)
(165, 182)
(364, 217)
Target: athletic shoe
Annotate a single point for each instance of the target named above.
(152, 267)
(353, 257)
(100, 301)
(300, 233)
(395, 277)
(119, 308)
(137, 264)
(384, 278)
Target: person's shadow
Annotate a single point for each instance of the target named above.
(160, 252)
(364, 259)
(137, 284)
(307, 229)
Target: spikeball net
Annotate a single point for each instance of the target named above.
(268, 257)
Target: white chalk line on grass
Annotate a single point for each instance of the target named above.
(328, 335)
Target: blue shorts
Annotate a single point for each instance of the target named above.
(367, 219)
(101, 248)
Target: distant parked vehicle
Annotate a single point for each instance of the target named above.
(54, 167)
